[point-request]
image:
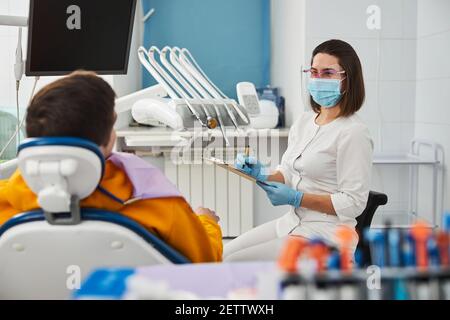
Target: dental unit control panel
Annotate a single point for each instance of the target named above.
(248, 97)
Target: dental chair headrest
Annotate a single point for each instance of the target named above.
(59, 170)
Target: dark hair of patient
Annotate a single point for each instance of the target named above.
(80, 105)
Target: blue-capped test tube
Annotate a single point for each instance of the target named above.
(376, 241)
(446, 222)
(334, 261)
(408, 254)
(433, 252)
(394, 247)
(447, 228)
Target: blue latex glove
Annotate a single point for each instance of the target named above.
(251, 166)
(280, 194)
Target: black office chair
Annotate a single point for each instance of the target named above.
(364, 221)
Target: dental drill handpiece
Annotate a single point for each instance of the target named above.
(144, 58)
(201, 90)
(190, 80)
(185, 52)
(229, 112)
(208, 91)
(216, 92)
(221, 125)
(175, 85)
(211, 122)
(166, 82)
(175, 62)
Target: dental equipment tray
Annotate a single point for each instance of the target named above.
(189, 119)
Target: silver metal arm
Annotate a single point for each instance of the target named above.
(176, 63)
(215, 91)
(212, 122)
(144, 57)
(203, 83)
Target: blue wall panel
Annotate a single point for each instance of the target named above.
(230, 39)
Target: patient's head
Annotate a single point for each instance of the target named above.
(80, 105)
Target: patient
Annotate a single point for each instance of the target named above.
(82, 105)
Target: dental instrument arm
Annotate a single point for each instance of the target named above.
(180, 78)
(185, 53)
(208, 91)
(215, 90)
(212, 122)
(145, 58)
(176, 63)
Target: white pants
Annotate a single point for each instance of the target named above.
(264, 243)
(259, 244)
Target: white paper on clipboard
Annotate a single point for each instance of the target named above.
(230, 168)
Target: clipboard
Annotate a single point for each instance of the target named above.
(232, 169)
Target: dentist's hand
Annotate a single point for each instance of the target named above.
(280, 194)
(251, 166)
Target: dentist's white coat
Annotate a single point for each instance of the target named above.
(334, 159)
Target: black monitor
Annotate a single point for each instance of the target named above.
(68, 35)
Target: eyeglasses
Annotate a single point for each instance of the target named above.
(327, 73)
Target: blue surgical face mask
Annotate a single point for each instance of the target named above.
(325, 92)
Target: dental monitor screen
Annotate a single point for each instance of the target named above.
(67, 35)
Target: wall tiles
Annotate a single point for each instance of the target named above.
(432, 56)
(396, 101)
(19, 7)
(288, 52)
(433, 89)
(397, 137)
(4, 56)
(332, 19)
(5, 94)
(7, 80)
(391, 137)
(390, 179)
(4, 7)
(409, 21)
(4, 10)
(440, 134)
(5, 31)
(398, 60)
(433, 98)
(433, 17)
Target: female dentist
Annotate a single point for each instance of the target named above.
(325, 173)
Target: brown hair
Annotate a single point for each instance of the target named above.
(79, 105)
(353, 90)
